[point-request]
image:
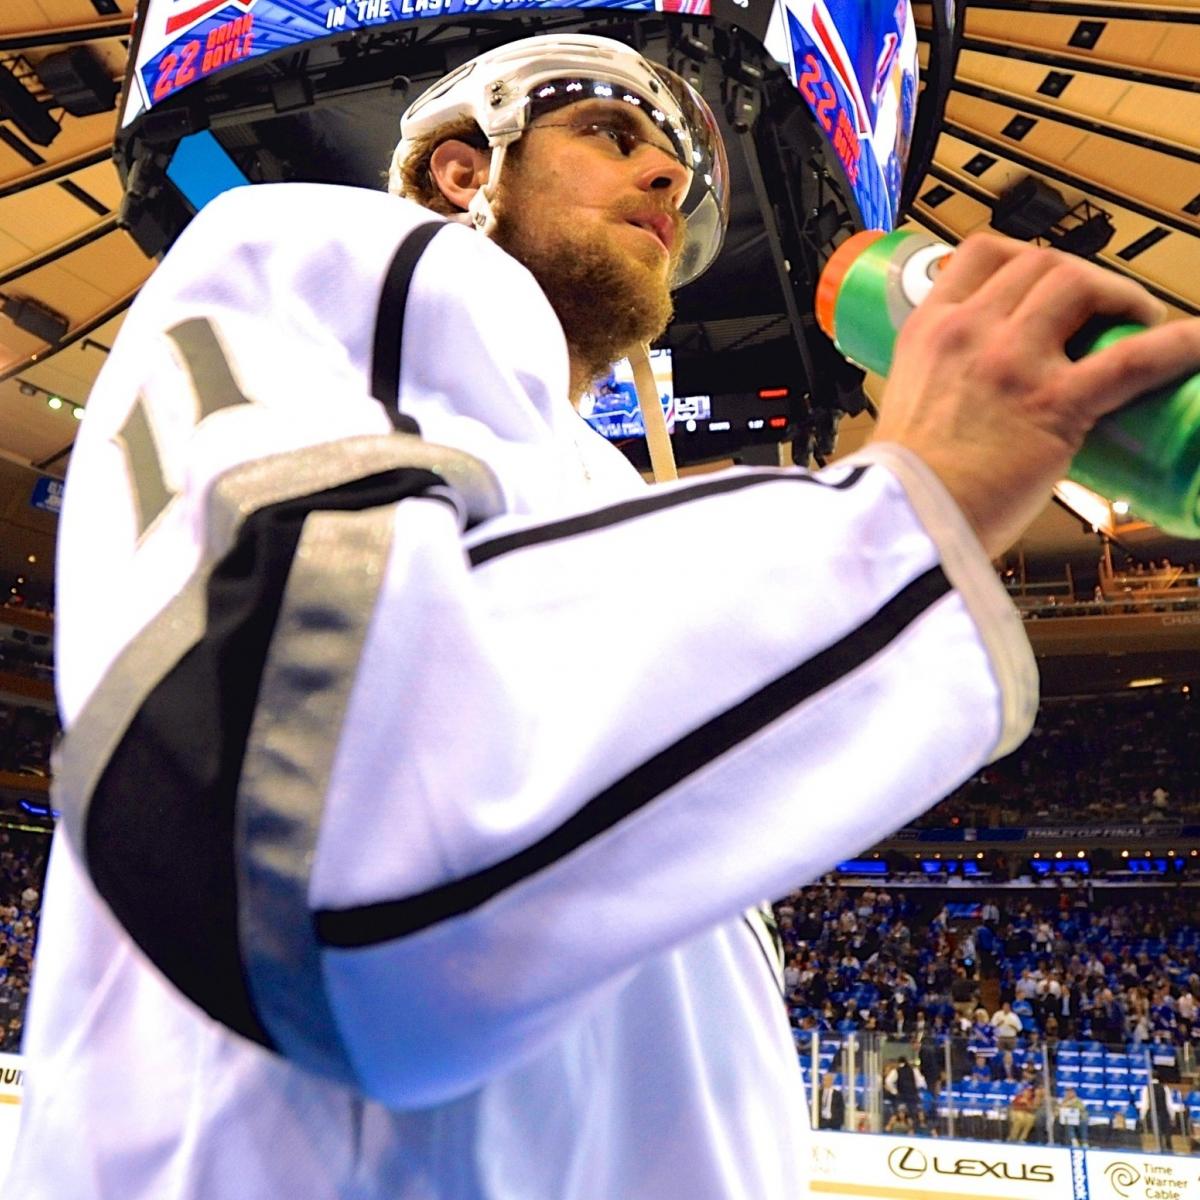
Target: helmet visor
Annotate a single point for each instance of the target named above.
(679, 123)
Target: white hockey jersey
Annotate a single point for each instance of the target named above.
(414, 785)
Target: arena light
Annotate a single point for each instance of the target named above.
(1081, 854)
(32, 558)
(1058, 854)
(54, 402)
(1124, 853)
(77, 412)
(1121, 507)
(1149, 681)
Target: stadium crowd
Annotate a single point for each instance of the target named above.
(1069, 1012)
(1069, 968)
(1133, 758)
(22, 871)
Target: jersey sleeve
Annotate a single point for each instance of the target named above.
(397, 784)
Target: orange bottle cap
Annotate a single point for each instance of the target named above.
(835, 271)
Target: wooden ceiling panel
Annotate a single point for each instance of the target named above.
(79, 135)
(13, 167)
(17, 16)
(1088, 95)
(1179, 54)
(954, 154)
(1122, 43)
(1174, 263)
(12, 250)
(112, 266)
(15, 344)
(1162, 183)
(960, 213)
(102, 182)
(32, 430)
(105, 333)
(1161, 112)
(1046, 140)
(44, 217)
(67, 12)
(64, 291)
(70, 373)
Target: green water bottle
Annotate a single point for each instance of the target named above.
(1147, 452)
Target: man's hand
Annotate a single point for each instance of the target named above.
(981, 386)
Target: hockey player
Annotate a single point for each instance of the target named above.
(386, 869)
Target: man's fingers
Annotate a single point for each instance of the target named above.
(971, 265)
(1050, 295)
(1061, 300)
(1112, 377)
(1003, 291)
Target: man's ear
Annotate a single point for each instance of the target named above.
(459, 170)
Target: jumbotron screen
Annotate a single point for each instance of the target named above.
(853, 61)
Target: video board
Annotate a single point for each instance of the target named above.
(854, 62)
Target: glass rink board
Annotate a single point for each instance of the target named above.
(854, 62)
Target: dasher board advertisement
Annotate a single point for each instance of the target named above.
(182, 41)
(855, 1166)
(12, 1090)
(1131, 1175)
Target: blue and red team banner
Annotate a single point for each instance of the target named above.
(853, 61)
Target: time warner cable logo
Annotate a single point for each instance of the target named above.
(1123, 1176)
(907, 1162)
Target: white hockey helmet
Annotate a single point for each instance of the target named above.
(505, 89)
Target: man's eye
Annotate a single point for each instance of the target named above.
(621, 138)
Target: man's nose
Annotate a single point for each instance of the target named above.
(660, 171)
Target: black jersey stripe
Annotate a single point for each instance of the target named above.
(656, 501)
(160, 828)
(389, 323)
(772, 968)
(370, 924)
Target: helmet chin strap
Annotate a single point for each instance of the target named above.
(662, 457)
(480, 212)
(482, 216)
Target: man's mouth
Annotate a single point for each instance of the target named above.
(658, 224)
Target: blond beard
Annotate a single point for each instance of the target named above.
(607, 300)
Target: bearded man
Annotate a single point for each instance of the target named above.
(381, 874)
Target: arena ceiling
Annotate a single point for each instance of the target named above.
(1099, 101)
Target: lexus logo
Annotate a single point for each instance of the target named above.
(905, 1162)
